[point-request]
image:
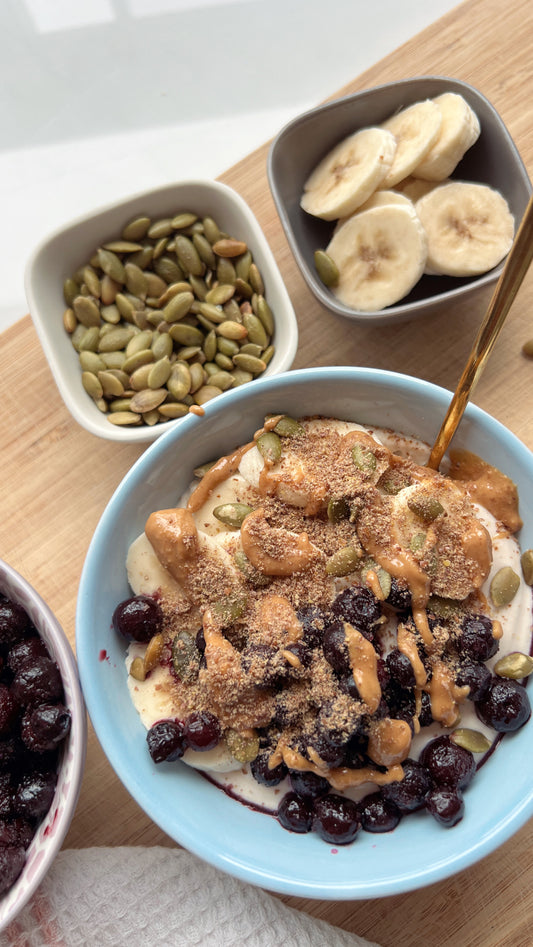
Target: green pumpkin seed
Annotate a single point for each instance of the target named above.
(135, 280)
(417, 542)
(256, 330)
(343, 562)
(185, 657)
(138, 342)
(268, 354)
(124, 418)
(108, 290)
(383, 577)
(214, 313)
(250, 348)
(249, 363)
(131, 364)
(92, 385)
(264, 313)
(232, 514)
(256, 280)
(185, 219)
(178, 307)
(243, 748)
(255, 578)
(338, 509)
(229, 609)
(241, 377)
(206, 393)
(514, 665)
(168, 269)
(112, 387)
(220, 294)
(504, 586)
(221, 379)
(113, 359)
(173, 410)
(90, 339)
(226, 272)
(225, 362)
(269, 446)
(363, 458)
(91, 362)
(143, 257)
(162, 345)
(210, 345)
(91, 280)
(160, 228)
(87, 311)
(110, 314)
(288, 427)
(137, 670)
(136, 229)
(188, 256)
(211, 230)
(184, 334)
(69, 321)
(243, 289)
(426, 507)
(526, 561)
(326, 268)
(204, 251)
(159, 373)
(110, 263)
(228, 347)
(471, 740)
(71, 289)
(148, 399)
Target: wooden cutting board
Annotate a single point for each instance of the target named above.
(56, 478)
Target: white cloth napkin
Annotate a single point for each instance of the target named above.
(159, 897)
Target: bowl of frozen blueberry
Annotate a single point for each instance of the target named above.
(318, 647)
(42, 740)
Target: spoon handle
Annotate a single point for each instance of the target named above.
(513, 273)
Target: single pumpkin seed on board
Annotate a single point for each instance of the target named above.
(504, 586)
(514, 665)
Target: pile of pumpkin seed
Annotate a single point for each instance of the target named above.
(166, 317)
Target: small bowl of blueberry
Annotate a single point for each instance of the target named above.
(43, 740)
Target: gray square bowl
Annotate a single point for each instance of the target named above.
(303, 142)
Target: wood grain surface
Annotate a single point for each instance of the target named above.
(56, 478)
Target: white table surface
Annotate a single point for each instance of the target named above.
(103, 98)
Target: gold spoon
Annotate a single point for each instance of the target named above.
(513, 273)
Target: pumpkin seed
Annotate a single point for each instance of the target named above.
(363, 458)
(229, 609)
(112, 387)
(326, 268)
(138, 342)
(185, 219)
(343, 562)
(160, 228)
(147, 399)
(86, 311)
(69, 320)
(220, 379)
(198, 377)
(185, 657)
(173, 410)
(253, 576)
(92, 385)
(206, 392)
(471, 740)
(269, 446)
(168, 269)
(162, 345)
(153, 652)
(91, 362)
(124, 418)
(136, 229)
(159, 372)
(264, 312)
(144, 357)
(70, 291)
(228, 247)
(417, 542)
(108, 289)
(526, 561)
(220, 294)
(243, 748)
(256, 330)
(228, 347)
(249, 363)
(225, 362)
(514, 665)
(137, 669)
(241, 377)
(288, 427)
(110, 263)
(188, 256)
(211, 229)
(338, 509)
(90, 339)
(268, 354)
(504, 586)
(135, 280)
(426, 507)
(232, 514)
(226, 272)
(184, 334)
(110, 314)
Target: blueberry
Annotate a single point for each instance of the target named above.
(294, 813)
(476, 640)
(307, 784)
(359, 607)
(336, 649)
(379, 814)
(336, 819)
(448, 764)
(138, 618)
(446, 806)
(166, 741)
(400, 668)
(264, 774)
(409, 793)
(504, 706)
(202, 731)
(45, 726)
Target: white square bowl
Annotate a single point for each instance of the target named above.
(63, 252)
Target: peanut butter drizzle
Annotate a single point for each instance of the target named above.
(488, 486)
(407, 645)
(174, 538)
(339, 777)
(364, 665)
(497, 629)
(275, 612)
(373, 583)
(296, 552)
(402, 565)
(225, 467)
(389, 741)
(445, 695)
(477, 546)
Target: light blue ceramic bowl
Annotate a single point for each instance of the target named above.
(244, 843)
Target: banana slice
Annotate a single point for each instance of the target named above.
(349, 174)
(378, 199)
(415, 188)
(380, 255)
(416, 130)
(469, 228)
(459, 130)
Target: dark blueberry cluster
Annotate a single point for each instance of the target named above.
(34, 722)
(168, 739)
